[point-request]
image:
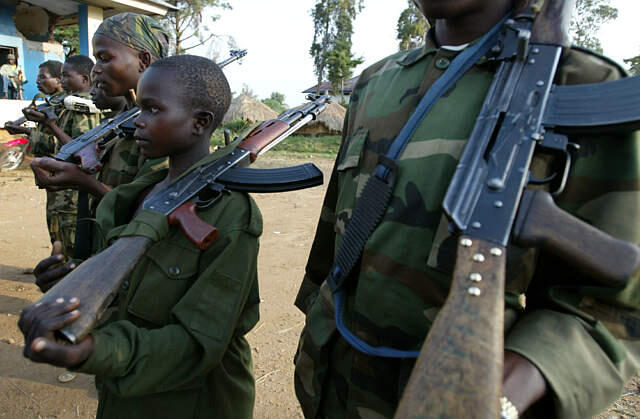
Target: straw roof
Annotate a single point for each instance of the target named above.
(329, 121)
(248, 108)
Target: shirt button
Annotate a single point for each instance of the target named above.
(442, 63)
(125, 285)
(174, 271)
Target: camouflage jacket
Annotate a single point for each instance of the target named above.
(41, 139)
(584, 340)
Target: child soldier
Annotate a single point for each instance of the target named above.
(124, 46)
(559, 360)
(175, 348)
(41, 139)
(62, 205)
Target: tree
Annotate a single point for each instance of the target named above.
(331, 46)
(589, 16)
(186, 26)
(276, 102)
(412, 27)
(634, 65)
(70, 34)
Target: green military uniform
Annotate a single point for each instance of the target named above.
(584, 340)
(62, 206)
(175, 347)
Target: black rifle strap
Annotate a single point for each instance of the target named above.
(82, 246)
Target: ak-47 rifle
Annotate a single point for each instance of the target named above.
(96, 281)
(83, 147)
(459, 370)
(46, 108)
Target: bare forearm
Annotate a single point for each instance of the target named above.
(523, 384)
(58, 132)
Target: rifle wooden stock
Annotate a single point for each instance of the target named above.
(540, 223)
(458, 373)
(262, 136)
(197, 231)
(553, 21)
(96, 281)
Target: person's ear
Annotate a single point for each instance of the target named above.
(202, 122)
(145, 60)
(86, 80)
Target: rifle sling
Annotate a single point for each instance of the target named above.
(594, 107)
(374, 200)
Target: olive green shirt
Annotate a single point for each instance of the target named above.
(175, 346)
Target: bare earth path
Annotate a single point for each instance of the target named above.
(30, 390)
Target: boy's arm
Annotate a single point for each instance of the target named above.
(587, 342)
(203, 323)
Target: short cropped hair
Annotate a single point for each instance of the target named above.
(200, 82)
(81, 64)
(53, 67)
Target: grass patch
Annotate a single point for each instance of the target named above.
(298, 146)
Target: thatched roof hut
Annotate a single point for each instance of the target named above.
(329, 122)
(249, 109)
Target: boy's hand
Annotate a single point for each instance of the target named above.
(15, 129)
(38, 324)
(55, 175)
(51, 270)
(35, 116)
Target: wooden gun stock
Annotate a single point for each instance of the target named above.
(95, 283)
(458, 373)
(540, 223)
(553, 21)
(197, 231)
(262, 136)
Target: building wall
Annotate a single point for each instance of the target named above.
(30, 53)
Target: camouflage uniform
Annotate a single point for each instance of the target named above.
(42, 142)
(121, 158)
(584, 340)
(62, 206)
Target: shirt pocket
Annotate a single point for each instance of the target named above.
(351, 178)
(169, 273)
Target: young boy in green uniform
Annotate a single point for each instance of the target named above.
(563, 357)
(62, 205)
(41, 139)
(175, 347)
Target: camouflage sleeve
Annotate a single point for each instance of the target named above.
(586, 340)
(83, 122)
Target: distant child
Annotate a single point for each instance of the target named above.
(175, 347)
(62, 205)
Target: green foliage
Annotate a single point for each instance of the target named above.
(305, 147)
(412, 27)
(236, 126)
(187, 27)
(589, 16)
(276, 102)
(71, 34)
(634, 65)
(331, 46)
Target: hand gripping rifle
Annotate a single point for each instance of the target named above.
(83, 147)
(97, 280)
(459, 370)
(47, 108)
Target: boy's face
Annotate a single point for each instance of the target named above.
(72, 81)
(452, 9)
(103, 101)
(117, 67)
(47, 84)
(165, 124)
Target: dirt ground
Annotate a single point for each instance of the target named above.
(29, 390)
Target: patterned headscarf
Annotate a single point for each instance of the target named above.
(136, 31)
